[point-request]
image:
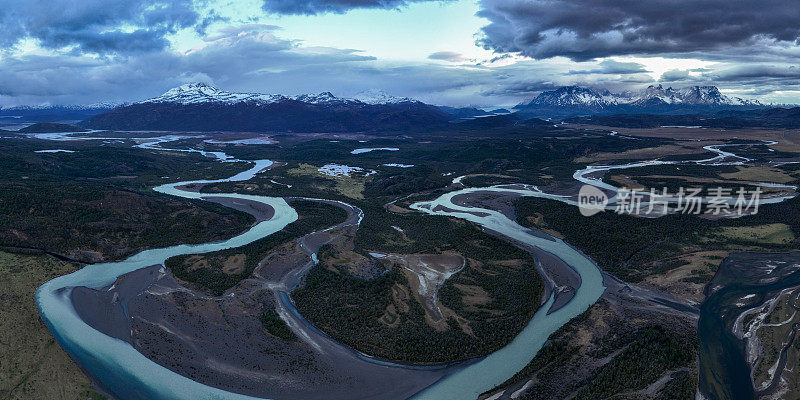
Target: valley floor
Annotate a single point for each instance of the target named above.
(416, 288)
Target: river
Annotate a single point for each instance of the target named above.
(114, 364)
(501, 365)
(119, 368)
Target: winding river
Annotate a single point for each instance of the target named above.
(501, 365)
(115, 364)
(119, 368)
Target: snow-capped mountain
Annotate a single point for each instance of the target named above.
(375, 96)
(201, 107)
(197, 93)
(53, 113)
(696, 95)
(93, 106)
(320, 98)
(576, 95)
(576, 100)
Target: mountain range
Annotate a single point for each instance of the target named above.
(197, 93)
(577, 100)
(201, 107)
(53, 113)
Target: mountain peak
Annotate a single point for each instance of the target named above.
(377, 96)
(574, 96)
(574, 89)
(198, 92)
(319, 98)
(194, 85)
(576, 100)
(201, 107)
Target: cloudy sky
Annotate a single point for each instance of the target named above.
(454, 52)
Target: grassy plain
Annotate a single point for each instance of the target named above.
(32, 365)
(775, 233)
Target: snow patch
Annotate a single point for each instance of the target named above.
(338, 170)
(375, 96)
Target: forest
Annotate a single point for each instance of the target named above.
(312, 216)
(506, 274)
(631, 244)
(96, 204)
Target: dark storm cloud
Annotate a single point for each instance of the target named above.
(250, 58)
(235, 57)
(611, 67)
(757, 79)
(312, 7)
(761, 78)
(254, 57)
(745, 79)
(95, 26)
(587, 29)
(757, 72)
(242, 58)
(450, 56)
